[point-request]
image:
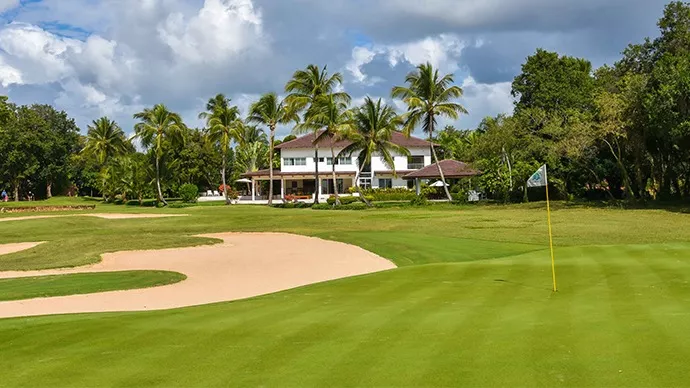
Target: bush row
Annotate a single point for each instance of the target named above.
(350, 206)
(348, 199)
(293, 205)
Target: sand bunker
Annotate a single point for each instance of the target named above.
(108, 216)
(244, 265)
(16, 247)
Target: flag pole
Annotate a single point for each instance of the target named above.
(548, 216)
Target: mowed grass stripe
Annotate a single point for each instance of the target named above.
(392, 329)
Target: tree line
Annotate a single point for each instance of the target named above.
(42, 147)
(619, 131)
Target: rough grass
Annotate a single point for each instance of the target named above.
(471, 304)
(83, 283)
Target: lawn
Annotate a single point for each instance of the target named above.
(470, 305)
(83, 283)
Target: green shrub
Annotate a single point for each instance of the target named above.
(180, 205)
(303, 205)
(419, 200)
(353, 206)
(322, 206)
(343, 200)
(189, 193)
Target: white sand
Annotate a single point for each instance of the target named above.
(244, 265)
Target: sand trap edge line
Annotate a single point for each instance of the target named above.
(24, 247)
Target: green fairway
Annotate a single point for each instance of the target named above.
(471, 304)
(84, 283)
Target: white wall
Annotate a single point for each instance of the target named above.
(377, 163)
(308, 153)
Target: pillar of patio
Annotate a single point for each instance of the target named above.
(253, 189)
(417, 186)
(282, 188)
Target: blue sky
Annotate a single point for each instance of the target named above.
(104, 57)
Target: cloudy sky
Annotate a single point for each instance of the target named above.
(114, 57)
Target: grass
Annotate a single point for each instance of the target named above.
(471, 304)
(83, 283)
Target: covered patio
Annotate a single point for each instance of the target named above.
(300, 186)
(452, 169)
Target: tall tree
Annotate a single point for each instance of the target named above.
(60, 140)
(223, 128)
(20, 144)
(158, 128)
(429, 95)
(104, 140)
(271, 112)
(330, 118)
(304, 88)
(219, 101)
(373, 125)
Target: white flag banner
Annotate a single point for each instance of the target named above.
(538, 179)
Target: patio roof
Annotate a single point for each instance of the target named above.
(450, 168)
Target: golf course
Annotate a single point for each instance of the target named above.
(468, 304)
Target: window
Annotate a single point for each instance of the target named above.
(327, 186)
(343, 160)
(415, 162)
(385, 183)
(295, 161)
(321, 160)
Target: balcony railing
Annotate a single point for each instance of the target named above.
(415, 166)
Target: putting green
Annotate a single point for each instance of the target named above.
(481, 313)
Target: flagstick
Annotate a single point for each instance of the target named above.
(548, 216)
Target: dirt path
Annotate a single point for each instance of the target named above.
(108, 216)
(244, 265)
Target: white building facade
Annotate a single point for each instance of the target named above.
(296, 176)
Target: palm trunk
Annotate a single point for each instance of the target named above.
(316, 174)
(225, 187)
(270, 167)
(335, 180)
(49, 190)
(433, 153)
(359, 187)
(158, 182)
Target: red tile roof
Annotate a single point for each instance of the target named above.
(450, 168)
(307, 141)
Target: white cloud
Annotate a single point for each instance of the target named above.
(155, 55)
(442, 51)
(221, 29)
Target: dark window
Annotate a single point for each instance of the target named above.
(385, 183)
(415, 162)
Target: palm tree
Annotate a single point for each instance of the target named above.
(270, 111)
(428, 95)
(105, 140)
(223, 126)
(372, 127)
(157, 128)
(305, 87)
(249, 134)
(333, 116)
(217, 102)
